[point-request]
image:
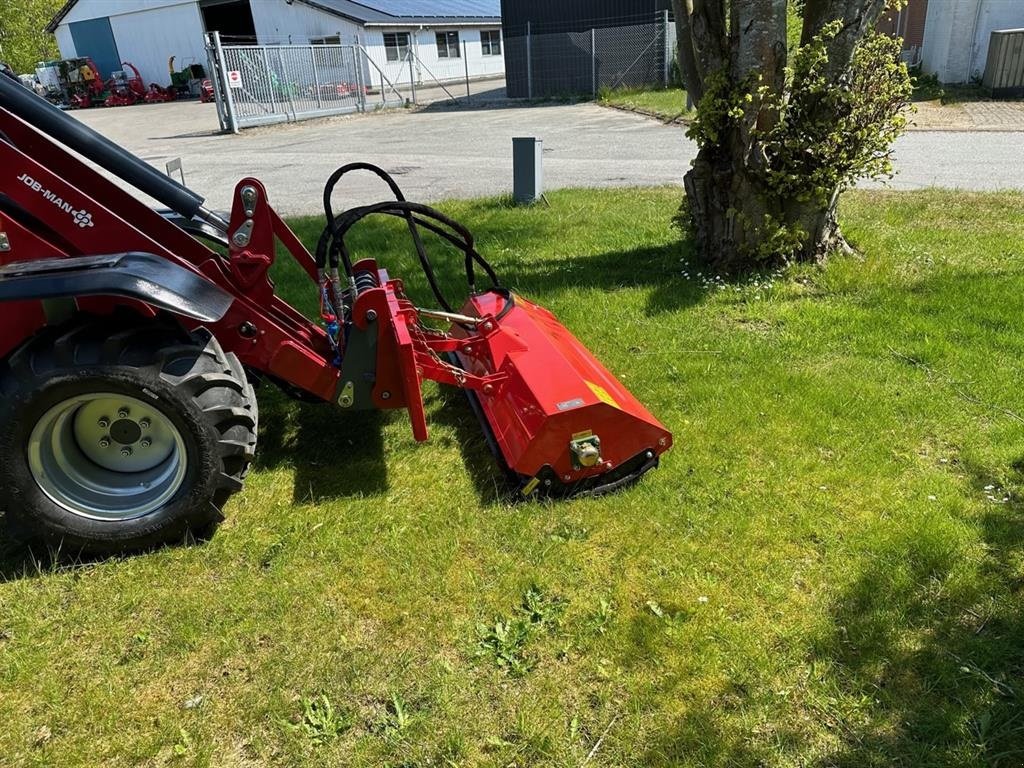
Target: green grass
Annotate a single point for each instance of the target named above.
(666, 104)
(827, 570)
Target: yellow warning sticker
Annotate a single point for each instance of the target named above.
(602, 394)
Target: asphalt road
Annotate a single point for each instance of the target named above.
(446, 152)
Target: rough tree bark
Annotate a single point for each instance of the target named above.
(744, 43)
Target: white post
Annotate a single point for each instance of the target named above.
(593, 61)
(228, 98)
(412, 77)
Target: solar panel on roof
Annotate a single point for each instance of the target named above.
(435, 7)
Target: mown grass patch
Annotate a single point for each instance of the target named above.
(666, 104)
(826, 570)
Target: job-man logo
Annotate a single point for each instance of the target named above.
(81, 216)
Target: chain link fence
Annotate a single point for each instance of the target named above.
(572, 63)
(264, 84)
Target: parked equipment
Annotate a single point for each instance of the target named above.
(129, 346)
(74, 83)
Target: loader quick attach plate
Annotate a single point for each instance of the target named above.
(558, 406)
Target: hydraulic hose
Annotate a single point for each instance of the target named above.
(333, 252)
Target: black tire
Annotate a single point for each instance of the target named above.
(200, 392)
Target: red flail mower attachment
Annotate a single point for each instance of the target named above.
(129, 346)
(557, 420)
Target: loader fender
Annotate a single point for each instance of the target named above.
(136, 275)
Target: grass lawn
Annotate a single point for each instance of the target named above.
(666, 104)
(827, 570)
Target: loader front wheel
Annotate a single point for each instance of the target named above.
(116, 440)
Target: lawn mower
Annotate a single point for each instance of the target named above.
(132, 338)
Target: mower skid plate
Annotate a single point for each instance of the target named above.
(562, 423)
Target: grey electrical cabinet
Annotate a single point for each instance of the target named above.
(1004, 69)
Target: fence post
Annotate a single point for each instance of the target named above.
(668, 50)
(218, 98)
(593, 61)
(357, 51)
(465, 60)
(316, 78)
(225, 85)
(412, 77)
(529, 63)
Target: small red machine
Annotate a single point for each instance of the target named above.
(131, 339)
(206, 91)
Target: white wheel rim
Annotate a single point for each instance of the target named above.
(105, 456)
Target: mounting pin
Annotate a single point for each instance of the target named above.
(249, 198)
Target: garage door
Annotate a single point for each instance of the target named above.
(94, 39)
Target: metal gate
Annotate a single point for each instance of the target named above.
(264, 84)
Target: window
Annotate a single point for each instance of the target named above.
(490, 42)
(448, 45)
(333, 40)
(396, 45)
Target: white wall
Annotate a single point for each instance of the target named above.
(64, 42)
(147, 33)
(148, 38)
(280, 23)
(429, 66)
(97, 9)
(956, 35)
(995, 14)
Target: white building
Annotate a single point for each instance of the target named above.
(444, 35)
(957, 34)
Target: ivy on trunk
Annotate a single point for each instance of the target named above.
(781, 133)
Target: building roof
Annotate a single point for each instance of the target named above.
(387, 12)
(384, 12)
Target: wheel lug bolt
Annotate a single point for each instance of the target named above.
(144, 423)
(104, 442)
(126, 451)
(104, 422)
(123, 413)
(146, 442)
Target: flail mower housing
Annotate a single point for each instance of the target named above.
(131, 339)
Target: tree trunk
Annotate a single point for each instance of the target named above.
(738, 222)
(733, 216)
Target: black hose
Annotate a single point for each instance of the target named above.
(332, 249)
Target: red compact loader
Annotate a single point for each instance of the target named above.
(131, 337)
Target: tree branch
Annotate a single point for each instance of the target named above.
(692, 80)
(857, 17)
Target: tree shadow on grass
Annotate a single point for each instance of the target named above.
(655, 268)
(942, 664)
(335, 453)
